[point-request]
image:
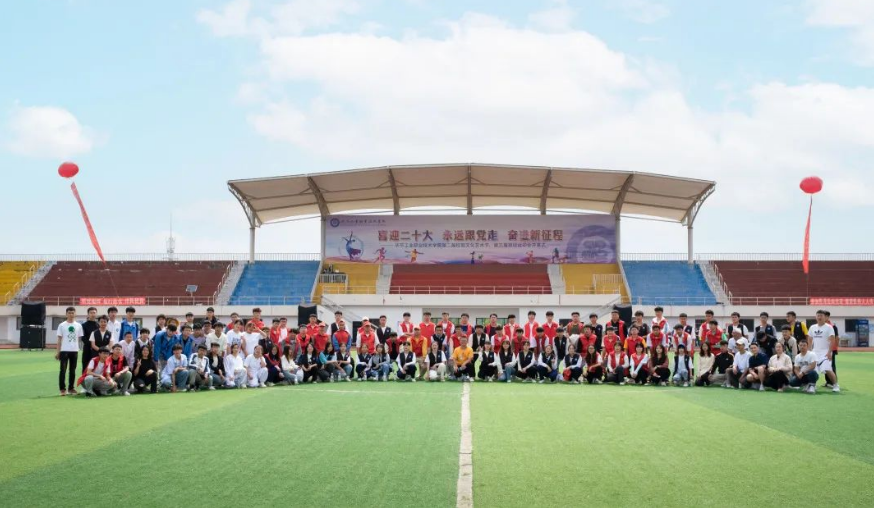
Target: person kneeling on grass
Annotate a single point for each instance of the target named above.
(547, 368)
(804, 372)
(362, 367)
(527, 366)
(119, 370)
(344, 363)
(573, 365)
(436, 363)
(741, 366)
(756, 376)
(256, 369)
(615, 365)
(490, 364)
(638, 365)
(198, 370)
(146, 371)
(274, 363)
(96, 379)
(660, 374)
(507, 361)
(216, 363)
(328, 363)
(235, 368)
(594, 365)
(175, 375)
(682, 367)
(703, 364)
(779, 368)
(380, 363)
(406, 364)
(462, 357)
(291, 374)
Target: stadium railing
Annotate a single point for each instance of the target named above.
(466, 290)
(164, 257)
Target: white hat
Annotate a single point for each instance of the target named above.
(741, 341)
(736, 330)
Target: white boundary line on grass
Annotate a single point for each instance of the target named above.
(464, 488)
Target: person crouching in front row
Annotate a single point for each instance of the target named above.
(527, 366)
(546, 364)
(362, 368)
(490, 364)
(436, 363)
(256, 369)
(594, 367)
(406, 364)
(660, 374)
(309, 363)
(146, 371)
(682, 366)
(380, 363)
(175, 375)
(235, 368)
(291, 374)
(573, 365)
(507, 361)
(779, 368)
(638, 365)
(615, 365)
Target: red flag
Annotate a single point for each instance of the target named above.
(805, 258)
(88, 223)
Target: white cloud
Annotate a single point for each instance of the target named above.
(643, 11)
(47, 131)
(557, 18)
(857, 16)
(231, 21)
(292, 17)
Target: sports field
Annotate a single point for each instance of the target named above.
(397, 444)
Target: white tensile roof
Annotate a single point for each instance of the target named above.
(471, 186)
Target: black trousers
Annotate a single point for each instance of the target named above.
(466, 371)
(616, 377)
(594, 373)
(576, 372)
(703, 380)
(409, 371)
(151, 381)
(777, 380)
(87, 355)
(530, 373)
(660, 375)
(487, 371)
(310, 375)
(68, 360)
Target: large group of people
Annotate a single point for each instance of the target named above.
(120, 357)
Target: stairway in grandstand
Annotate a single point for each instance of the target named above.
(161, 282)
(470, 279)
(594, 279)
(667, 283)
(275, 283)
(13, 276)
(785, 283)
(345, 278)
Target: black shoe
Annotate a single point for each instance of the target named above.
(89, 394)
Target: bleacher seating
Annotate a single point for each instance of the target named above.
(784, 282)
(667, 283)
(470, 279)
(275, 283)
(593, 278)
(360, 279)
(13, 275)
(161, 282)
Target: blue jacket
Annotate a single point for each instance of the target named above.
(187, 345)
(134, 329)
(164, 343)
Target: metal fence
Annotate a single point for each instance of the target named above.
(746, 256)
(162, 256)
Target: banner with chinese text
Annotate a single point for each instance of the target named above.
(470, 239)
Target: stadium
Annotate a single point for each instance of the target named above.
(400, 242)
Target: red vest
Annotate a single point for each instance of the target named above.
(530, 329)
(549, 329)
(611, 360)
(369, 339)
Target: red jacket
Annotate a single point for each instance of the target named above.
(427, 330)
(549, 329)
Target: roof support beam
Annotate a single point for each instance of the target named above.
(320, 199)
(692, 212)
(545, 192)
(620, 199)
(254, 220)
(396, 202)
(469, 190)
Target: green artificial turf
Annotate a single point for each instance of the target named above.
(396, 444)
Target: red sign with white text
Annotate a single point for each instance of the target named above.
(852, 301)
(122, 300)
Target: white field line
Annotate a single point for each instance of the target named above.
(464, 488)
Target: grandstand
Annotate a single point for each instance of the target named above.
(275, 283)
(13, 276)
(667, 283)
(594, 279)
(470, 279)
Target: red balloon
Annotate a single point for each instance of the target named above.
(811, 184)
(68, 170)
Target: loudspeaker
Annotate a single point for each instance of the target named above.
(33, 313)
(32, 338)
(303, 314)
(625, 313)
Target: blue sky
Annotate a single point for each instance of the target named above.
(160, 103)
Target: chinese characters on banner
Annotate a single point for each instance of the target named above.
(440, 239)
(124, 300)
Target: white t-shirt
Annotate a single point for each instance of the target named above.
(234, 338)
(69, 335)
(251, 341)
(115, 328)
(806, 362)
(254, 364)
(820, 335)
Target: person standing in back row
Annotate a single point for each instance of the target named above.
(69, 334)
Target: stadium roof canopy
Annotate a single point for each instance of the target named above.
(471, 186)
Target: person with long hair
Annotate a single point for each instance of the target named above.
(291, 374)
(406, 364)
(683, 369)
(660, 373)
(235, 367)
(328, 363)
(362, 368)
(380, 364)
(344, 363)
(703, 364)
(615, 365)
(435, 362)
(145, 371)
(527, 369)
(507, 361)
(779, 368)
(489, 363)
(274, 365)
(309, 363)
(547, 366)
(638, 365)
(594, 366)
(573, 365)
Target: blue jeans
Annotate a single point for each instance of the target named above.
(383, 371)
(181, 380)
(508, 373)
(681, 377)
(810, 378)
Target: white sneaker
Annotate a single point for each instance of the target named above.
(509, 380)
(836, 389)
(597, 381)
(686, 384)
(622, 383)
(761, 387)
(810, 389)
(127, 394)
(212, 387)
(262, 385)
(541, 381)
(413, 380)
(348, 380)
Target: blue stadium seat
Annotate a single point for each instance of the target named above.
(275, 283)
(667, 283)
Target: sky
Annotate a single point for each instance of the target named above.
(160, 103)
